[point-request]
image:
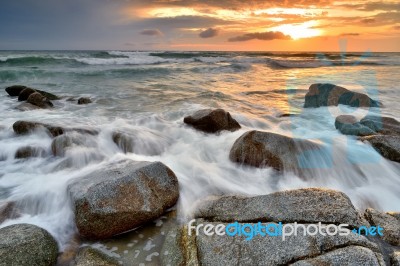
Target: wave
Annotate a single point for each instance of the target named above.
(282, 64)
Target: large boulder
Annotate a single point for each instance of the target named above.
(310, 205)
(39, 100)
(349, 125)
(212, 121)
(29, 152)
(49, 95)
(15, 90)
(26, 127)
(261, 149)
(88, 256)
(387, 146)
(122, 197)
(326, 94)
(24, 95)
(382, 124)
(26, 244)
(390, 225)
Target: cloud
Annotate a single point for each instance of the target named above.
(152, 32)
(350, 34)
(265, 36)
(209, 33)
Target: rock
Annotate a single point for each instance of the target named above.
(395, 215)
(144, 142)
(15, 90)
(48, 95)
(212, 121)
(349, 125)
(26, 244)
(383, 125)
(88, 256)
(309, 205)
(26, 127)
(62, 143)
(84, 100)
(39, 100)
(28, 152)
(27, 107)
(395, 258)
(262, 149)
(390, 225)
(122, 197)
(325, 94)
(7, 211)
(269, 250)
(351, 255)
(387, 146)
(24, 95)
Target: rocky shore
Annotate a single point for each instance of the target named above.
(127, 195)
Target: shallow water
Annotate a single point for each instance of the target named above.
(148, 94)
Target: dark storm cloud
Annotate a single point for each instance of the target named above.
(151, 32)
(265, 36)
(209, 33)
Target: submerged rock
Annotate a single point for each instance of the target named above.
(26, 244)
(29, 152)
(88, 256)
(382, 124)
(390, 225)
(62, 143)
(262, 149)
(122, 197)
(24, 95)
(349, 125)
(7, 211)
(26, 127)
(27, 107)
(15, 90)
(325, 94)
(212, 121)
(84, 100)
(387, 146)
(309, 205)
(39, 100)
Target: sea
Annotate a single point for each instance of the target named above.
(148, 93)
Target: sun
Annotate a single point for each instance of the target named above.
(299, 31)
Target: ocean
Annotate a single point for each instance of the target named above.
(149, 93)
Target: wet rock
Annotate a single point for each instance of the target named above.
(395, 258)
(7, 211)
(15, 90)
(48, 95)
(381, 124)
(212, 121)
(26, 244)
(26, 127)
(387, 146)
(121, 197)
(308, 205)
(395, 215)
(27, 107)
(390, 225)
(267, 149)
(352, 255)
(325, 94)
(24, 95)
(62, 143)
(29, 152)
(143, 142)
(349, 125)
(39, 100)
(84, 100)
(88, 256)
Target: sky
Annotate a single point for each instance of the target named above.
(216, 25)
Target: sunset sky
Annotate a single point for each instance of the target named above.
(299, 25)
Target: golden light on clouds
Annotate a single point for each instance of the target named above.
(303, 30)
